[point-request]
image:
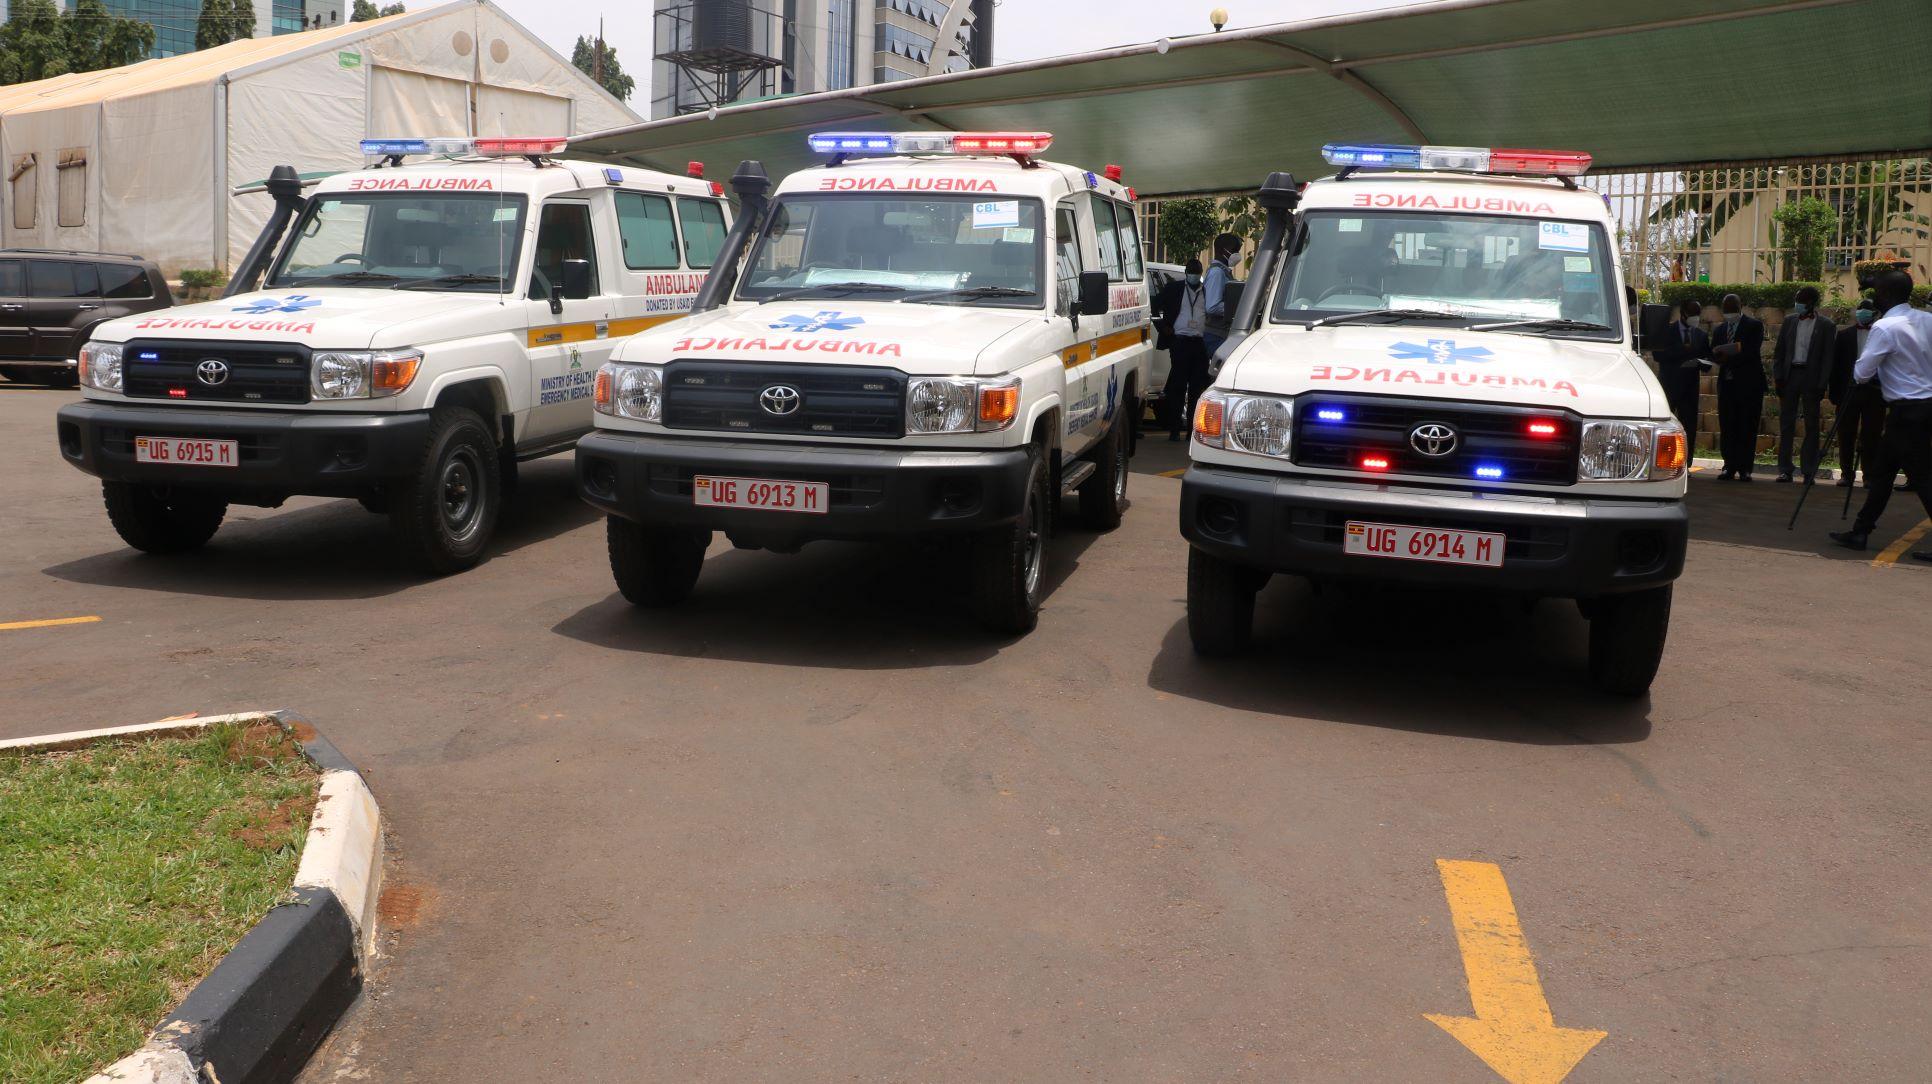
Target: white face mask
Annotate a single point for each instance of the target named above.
(1194, 280)
(1731, 318)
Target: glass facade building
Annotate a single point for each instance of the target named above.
(174, 20)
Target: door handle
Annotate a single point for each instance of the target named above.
(84, 308)
(11, 308)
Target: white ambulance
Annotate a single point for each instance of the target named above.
(423, 328)
(1431, 383)
(934, 333)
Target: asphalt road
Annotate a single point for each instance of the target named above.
(816, 825)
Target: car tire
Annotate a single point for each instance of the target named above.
(1009, 562)
(156, 519)
(1627, 634)
(654, 567)
(1220, 603)
(1103, 496)
(445, 513)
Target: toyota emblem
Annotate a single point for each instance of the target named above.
(212, 371)
(1433, 439)
(780, 399)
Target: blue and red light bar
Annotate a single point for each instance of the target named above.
(485, 146)
(1457, 159)
(857, 143)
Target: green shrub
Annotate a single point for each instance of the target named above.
(1186, 227)
(1755, 295)
(202, 278)
(1806, 223)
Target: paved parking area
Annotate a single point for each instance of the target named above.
(816, 825)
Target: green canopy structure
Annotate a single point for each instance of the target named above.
(1636, 83)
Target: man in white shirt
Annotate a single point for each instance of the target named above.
(1898, 354)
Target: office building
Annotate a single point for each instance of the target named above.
(174, 20)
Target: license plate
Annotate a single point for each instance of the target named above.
(766, 494)
(190, 451)
(1423, 544)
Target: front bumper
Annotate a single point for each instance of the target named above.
(281, 452)
(1564, 547)
(63, 364)
(874, 492)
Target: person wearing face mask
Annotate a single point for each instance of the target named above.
(1800, 372)
(1860, 413)
(1187, 356)
(1737, 345)
(1220, 310)
(1680, 353)
(1898, 356)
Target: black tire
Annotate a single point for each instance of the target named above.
(18, 374)
(156, 519)
(1009, 562)
(654, 567)
(445, 512)
(1220, 603)
(1627, 634)
(1103, 496)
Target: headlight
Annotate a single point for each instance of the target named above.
(1256, 424)
(1631, 451)
(630, 391)
(960, 404)
(100, 366)
(362, 374)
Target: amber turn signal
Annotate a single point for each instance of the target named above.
(391, 375)
(1207, 419)
(998, 405)
(1672, 452)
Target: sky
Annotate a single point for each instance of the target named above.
(1023, 29)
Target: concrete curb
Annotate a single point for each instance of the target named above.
(257, 1017)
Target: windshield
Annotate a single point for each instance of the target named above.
(944, 250)
(1469, 269)
(448, 241)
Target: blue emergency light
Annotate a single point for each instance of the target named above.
(1490, 471)
(1457, 159)
(1331, 414)
(990, 143)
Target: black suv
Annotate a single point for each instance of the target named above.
(51, 301)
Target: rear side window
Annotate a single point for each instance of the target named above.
(1129, 240)
(644, 224)
(704, 230)
(13, 279)
(1104, 232)
(58, 278)
(124, 283)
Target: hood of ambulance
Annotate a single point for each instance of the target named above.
(327, 318)
(1595, 379)
(919, 339)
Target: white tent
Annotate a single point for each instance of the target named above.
(144, 158)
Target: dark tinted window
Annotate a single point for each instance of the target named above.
(58, 278)
(118, 281)
(644, 225)
(13, 279)
(563, 233)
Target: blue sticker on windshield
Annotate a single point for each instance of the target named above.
(824, 321)
(1439, 352)
(292, 303)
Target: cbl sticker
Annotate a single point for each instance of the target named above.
(997, 215)
(1563, 236)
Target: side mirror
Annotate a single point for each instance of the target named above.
(1093, 293)
(576, 279)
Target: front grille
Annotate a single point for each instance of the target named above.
(1521, 542)
(834, 400)
(257, 372)
(1496, 438)
(846, 490)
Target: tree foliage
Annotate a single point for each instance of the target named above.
(1186, 227)
(613, 77)
(40, 41)
(223, 21)
(365, 10)
(1806, 224)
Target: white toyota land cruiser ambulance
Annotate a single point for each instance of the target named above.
(933, 333)
(1431, 383)
(423, 329)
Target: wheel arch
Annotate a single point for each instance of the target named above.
(481, 390)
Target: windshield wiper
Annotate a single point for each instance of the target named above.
(1554, 323)
(449, 280)
(844, 287)
(1391, 314)
(347, 276)
(972, 292)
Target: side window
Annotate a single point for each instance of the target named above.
(58, 278)
(563, 233)
(71, 168)
(20, 186)
(1129, 241)
(644, 225)
(1067, 263)
(13, 279)
(120, 282)
(704, 230)
(1104, 232)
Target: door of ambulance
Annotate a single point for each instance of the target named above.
(1076, 251)
(565, 349)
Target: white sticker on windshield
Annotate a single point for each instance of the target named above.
(1018, 235)
(1563, 236)
(1576, 263)
(1349, 225)
(993, 216)
(505, 214)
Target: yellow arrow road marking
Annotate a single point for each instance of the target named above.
(49, 623)
(1512, 1030)
(1890, 554)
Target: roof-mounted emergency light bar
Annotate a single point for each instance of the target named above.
(849, 144)
(1353, 156)
(481, 146)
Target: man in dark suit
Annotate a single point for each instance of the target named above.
(1801, 374)
(1861, 412)
(1681, 352)
(1737, 345)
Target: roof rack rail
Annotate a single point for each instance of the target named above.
(70, 252)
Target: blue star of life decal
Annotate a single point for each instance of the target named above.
(1439, 352)
(824, 321)
(262, 306)
(1113, 393)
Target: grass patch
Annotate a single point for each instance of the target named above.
(126, 872)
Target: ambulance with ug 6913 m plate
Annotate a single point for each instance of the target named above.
(933, 334)
(1430, 382)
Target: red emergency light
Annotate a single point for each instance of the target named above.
(1539, 163)
(511, 145)
(694, 169)
(1375, 462)
(1112, 172)
(1543, 429)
